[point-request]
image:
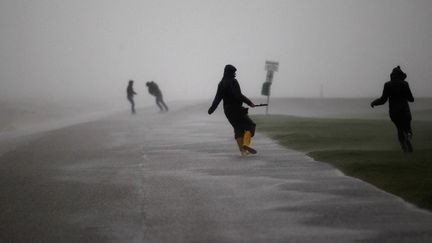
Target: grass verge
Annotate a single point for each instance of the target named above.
(362, 148)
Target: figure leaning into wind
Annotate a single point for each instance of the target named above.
(154, 90)
(398, 93)
(130, 94)
(229, 91)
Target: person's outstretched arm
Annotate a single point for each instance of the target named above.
(383, 99)
(217, 99)
(247, 101)
(239, 94)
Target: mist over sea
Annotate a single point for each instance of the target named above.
(27, 114)
(41, 114)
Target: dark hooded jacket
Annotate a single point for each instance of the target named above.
(130, 92)
(153, 89)
(398, 93)
(229, 91)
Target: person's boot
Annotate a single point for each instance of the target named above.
(246, 142)
(240, 146)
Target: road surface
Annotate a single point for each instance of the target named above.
(177, 177)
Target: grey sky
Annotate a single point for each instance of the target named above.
(76, 48)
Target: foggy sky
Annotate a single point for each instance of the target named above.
(90, 49)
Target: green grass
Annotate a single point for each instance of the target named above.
(362, 148)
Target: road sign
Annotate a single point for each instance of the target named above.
(271, 66)
(266, 89)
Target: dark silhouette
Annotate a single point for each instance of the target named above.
(130, 94)
(398, 93)
(154, 90)
(229, 91)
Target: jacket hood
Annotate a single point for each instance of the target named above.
(397, 74)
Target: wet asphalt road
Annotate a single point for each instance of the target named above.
(177, 177)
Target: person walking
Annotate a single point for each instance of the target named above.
(154, 90)
(229, 91)
(130, 95)
(398, 92)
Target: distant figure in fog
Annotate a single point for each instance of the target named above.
(398, 93)
(154, 90)
(229, 91)
(130, 95)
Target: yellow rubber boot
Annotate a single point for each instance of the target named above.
(247, 138)
(240, 146)
(247, 141)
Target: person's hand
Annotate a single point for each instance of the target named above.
(210, 110)
(253, 105)
(372, 105)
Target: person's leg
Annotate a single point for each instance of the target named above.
(402, 136)
(408, 125)
(407, 132)
(402, 140)
(163, 103)
(235, 120)
(248, 134)
(132, 104)
(239, 137)
(398, 120)
(158, 104)
(409, 129)
(240, 146)
(247, 141)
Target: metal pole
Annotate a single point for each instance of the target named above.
(268, 104)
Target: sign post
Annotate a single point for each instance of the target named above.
(270, 67)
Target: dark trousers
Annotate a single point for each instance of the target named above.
(241, 122)
(130, 98)
(403, 126)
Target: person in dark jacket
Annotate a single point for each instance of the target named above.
(398, 93)
(130, 94)
(237, 115)
(154, 90)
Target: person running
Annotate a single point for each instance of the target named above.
(398, 92)
(154, 90)
(130, 95)
(229, 91)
